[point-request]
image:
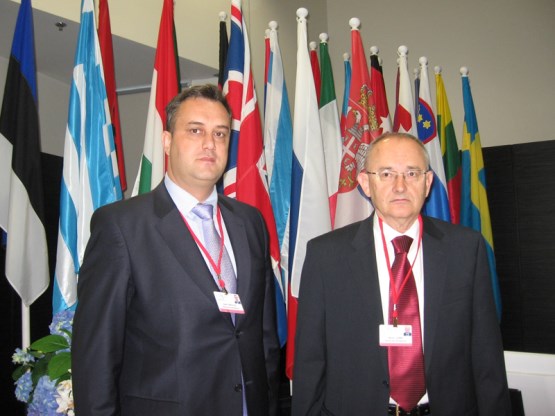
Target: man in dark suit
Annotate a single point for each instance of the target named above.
(348, 342)
(153, 334)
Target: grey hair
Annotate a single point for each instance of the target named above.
(390, 135)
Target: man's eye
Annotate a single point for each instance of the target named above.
(195, 131)
(220, 134)
(386, 174)
(412, 173)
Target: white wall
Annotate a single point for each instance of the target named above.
(534, 375)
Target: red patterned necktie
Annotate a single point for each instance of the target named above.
(406, 364)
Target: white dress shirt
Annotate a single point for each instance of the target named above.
(415, 257)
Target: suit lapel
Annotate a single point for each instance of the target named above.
(177, 237)
(240, 244)
(435, 269)
(364, 269)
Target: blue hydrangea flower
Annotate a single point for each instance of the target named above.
(62, 321)
(23, 387)
(44, 402)
(22, 357)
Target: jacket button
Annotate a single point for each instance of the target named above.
(238, 334)
(238, 388)
(385, 383)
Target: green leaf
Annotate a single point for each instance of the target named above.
(59, 365)
(19, 371)
(50, 343)
(37, 354)
(63, 377)
(40, 369)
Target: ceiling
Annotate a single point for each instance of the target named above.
(55, 51)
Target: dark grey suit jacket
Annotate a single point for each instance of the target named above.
(340, 369)
(148, 336)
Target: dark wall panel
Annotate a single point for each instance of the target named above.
(521, 193)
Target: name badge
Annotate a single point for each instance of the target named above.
(395, 336)
(229, 302)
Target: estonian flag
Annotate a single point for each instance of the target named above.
(21, 194)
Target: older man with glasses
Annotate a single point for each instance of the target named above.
(396, 312)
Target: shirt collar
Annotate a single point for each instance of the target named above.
(390, 233)
(184, 201)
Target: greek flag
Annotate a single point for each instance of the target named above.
(90, 173)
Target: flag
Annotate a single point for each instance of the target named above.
(397, 76)
(416, 73)
(449, 149)
(90, 173)
(165, 86)
(347, 82)
(361, 128)
(405, 120)
(21, 194)
(474, 198)
(378, 87)
(249, 171)
(278, 148)
(224, 44)
(310, 214)
(329, 122)
(437, 203)
(267, 53)
(106, 49)
(315, 68)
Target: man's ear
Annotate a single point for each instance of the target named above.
(364, 182)
(429, 181)
(166, 141)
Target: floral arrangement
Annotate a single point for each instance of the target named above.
(43, 376)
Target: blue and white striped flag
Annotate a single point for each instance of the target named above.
(278, 148)
(90, 174)
(437, 203)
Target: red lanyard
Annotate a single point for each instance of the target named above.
(394, 292)
(216, 266)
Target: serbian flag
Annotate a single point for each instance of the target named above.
(165, 86)
(378, 87)
(247, 181)
(329, 121)
(474, 198)
(278, 148)
(107, 51)
(449, 148)
(437, 203)
(21, 192)
(315, 68)
(310, 214)
(405, 119)
(361, 128)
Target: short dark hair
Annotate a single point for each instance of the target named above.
(390, 135)
(207, 91)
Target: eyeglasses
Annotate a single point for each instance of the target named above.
(388, 175)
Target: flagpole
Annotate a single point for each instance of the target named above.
(25, 325)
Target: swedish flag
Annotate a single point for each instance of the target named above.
(474, 199)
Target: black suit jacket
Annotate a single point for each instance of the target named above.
(340, 369)
(148, 336)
